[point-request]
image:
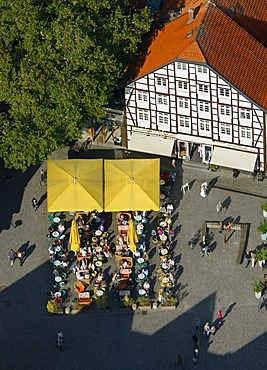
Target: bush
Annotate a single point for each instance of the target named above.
(127, 301)
(264, 207)
(258, 285)
(261, 254)
(169, 301)
(77, 306)
(262, 228)
(144, 301)
(53, 307)
(102, 302)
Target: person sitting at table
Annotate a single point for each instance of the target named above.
(145, 256)
(101, 227)
(61, 229)
(83, 265)
(159, 231)
(55, 272)
(124, 264)
(137, 254)
(165, 176)
(145, 272)
(74, 267)
(170, 277)
(50, 294)
(170, 264)
(84, 252)
(99, 277)
(153, 233)
(140, 226)
(146, 286)
(80, 274)
(105, 251)
(129, 283)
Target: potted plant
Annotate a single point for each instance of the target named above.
(169, 303)
(127, 301)
(258, 286)
(76, 307)
(264, 209)
(261, 256)
(144, 303)
(54, 307)
(212, 167)
(102, 302)
(260, 175)
(262, 228)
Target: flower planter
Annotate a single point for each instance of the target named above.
(144, 308)
(168, 308)
(258, 295)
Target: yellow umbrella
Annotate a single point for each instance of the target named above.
(132, 184)
(74, 237)
(75, 185)
(132, 237)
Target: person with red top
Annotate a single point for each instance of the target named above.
(219, 315)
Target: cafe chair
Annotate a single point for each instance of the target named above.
(79, 287)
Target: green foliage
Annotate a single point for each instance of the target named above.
(262, 228)
(264, 207)
(102, 302)
(260, 175)
(261, 254)
(144, 301)
(258, 285)
(127, 301)
(53, 307)
(169, 301)
(60, 61)
(77, 306)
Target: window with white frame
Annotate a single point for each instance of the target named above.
(205, 125)
(143, 115)
(181, 66)
(183, 103)
(203, 88)
(162, 99)
(245, 113)
(224, 92)
(225, 110)
(182, 85)
(163, 118)
(184, 122)
(204, 106)
(202, 69)
(225, 129)
(246, 133)
(161, 81)
(142, 95)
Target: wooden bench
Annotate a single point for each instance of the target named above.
(244, 228)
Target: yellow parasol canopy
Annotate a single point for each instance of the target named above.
(132, 237)
(75, 185)
(74, 237)
(132, 184)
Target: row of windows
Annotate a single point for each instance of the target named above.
(225, 110)
(184, 67)
(184, 86)
(204, 125)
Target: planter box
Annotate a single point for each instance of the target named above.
(263, 236)
(264, 213)
(173, 307)
(144, 308)
(258, 294)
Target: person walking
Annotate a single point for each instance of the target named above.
(212, 330)
(253, 258)
(247, 258)
(206, 329)
(34, 204)
(220, 317)
(198, 323)
(60, 340)
(195, 340)
(195, 355)
(11, 256)
(20, 256)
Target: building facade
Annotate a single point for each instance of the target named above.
(189, 105)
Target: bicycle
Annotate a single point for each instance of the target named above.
(194, 239)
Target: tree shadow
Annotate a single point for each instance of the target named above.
(16, 223)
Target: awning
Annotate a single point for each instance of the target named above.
(241, 160)
(150, 143)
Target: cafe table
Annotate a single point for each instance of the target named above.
(98, 232)
(163, 237)
(57, 248)
(58, 279)
(98, 263)
(98, 249)
(55, 234)
(163, 224)
(138, 218)
(165, 280)
(57, 263)
(99, 293)
(140, 260)
(164, 266)
(141, 276)
(56, 220)
(141, 291)
(163, 251)
(162, 196)
(162, 182)
(57, 294)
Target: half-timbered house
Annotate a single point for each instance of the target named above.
(201, 86)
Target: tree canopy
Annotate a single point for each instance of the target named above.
(60, 61)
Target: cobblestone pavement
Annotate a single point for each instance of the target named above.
(126, 340)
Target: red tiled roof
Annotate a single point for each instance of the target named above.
(171, 41)
(234, 54)
(231, 40)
